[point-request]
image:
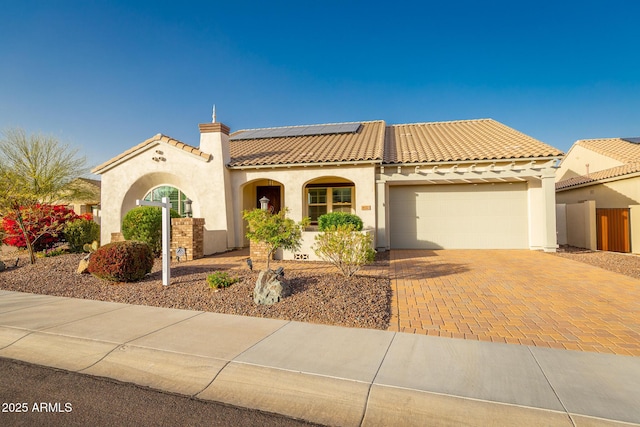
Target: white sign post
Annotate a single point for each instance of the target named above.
(166, 235)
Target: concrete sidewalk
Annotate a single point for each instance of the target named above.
(325, 374)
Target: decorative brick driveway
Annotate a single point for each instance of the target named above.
(515, 296)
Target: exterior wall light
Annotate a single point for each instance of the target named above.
(187, 208)
(264, 203)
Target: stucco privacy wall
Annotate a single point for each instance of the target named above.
(580, 224)
(294, 180)
(193, 175)
(634, 215)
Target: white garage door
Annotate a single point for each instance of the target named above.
(481, 216)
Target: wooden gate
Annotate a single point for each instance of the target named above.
(612, 228)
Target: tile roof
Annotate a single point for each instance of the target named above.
(483, 139)
(615, 148)
(157, 138)
(374, 142)
(596, 177)
(364, 145)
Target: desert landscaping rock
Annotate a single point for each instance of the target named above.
(83, 266)
(360, 301)
(270, 288)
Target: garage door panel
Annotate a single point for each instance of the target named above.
(459, 216)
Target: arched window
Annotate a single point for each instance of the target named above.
(176, 197)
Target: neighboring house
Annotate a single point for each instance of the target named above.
(598, 195)
(461, 184)
(89, 203)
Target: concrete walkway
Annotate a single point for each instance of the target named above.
(517, 297)
(326, 374)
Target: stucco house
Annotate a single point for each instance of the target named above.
(459, 184)
(91, 200)
(598, 195)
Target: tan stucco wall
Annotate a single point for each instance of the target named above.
(613, 194)
(634, 220)
(574, 163)
(294, 180)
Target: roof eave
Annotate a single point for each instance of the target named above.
(98, 170)
(600, 181)
(306, 165)
(446, 162)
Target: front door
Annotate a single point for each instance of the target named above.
(271, 192)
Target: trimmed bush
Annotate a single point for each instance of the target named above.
(127, 261)
(80, 232)
(144, 224)
(220, 279)
(334, 219)
(345, 247)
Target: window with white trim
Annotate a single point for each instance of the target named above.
(176, 197)
(322, 200)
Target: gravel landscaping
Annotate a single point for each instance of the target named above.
(627, 264)
(317, 297)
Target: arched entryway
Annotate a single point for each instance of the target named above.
(255, 190)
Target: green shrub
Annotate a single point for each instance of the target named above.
(80, 232)
(144, 224)
(345, 247)
(46, 253)
(334, 219)
(220, 279)
(127, 261)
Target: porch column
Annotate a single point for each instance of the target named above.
(549, 240)
(382, 222)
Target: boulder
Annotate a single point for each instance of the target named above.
(270, 288)
(83, 266)
(2, 266)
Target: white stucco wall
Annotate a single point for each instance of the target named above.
(197, 178)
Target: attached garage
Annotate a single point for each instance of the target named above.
(459, 216)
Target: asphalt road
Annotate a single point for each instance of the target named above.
(33, 395)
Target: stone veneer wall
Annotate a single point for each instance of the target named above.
(189, 234)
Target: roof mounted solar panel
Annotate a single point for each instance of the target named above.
(632, 140)
(293, 131)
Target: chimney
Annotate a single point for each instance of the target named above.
(214, 140)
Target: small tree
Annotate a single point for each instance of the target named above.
(40, 226)
(275, 230)
(345, 248)
(34, 170)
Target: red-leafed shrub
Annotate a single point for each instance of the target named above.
(44, 225)
(127, 261)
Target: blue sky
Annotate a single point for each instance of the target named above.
(103, 76)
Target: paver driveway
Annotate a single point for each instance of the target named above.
(515, 296)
